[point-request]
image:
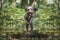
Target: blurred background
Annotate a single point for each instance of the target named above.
(12, 16)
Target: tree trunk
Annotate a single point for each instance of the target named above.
(59, 6)
(58, 20)
(24, 3)
(31, 2)
(0, 6)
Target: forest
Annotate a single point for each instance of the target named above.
(46, 20)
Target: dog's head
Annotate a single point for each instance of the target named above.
(30, 9)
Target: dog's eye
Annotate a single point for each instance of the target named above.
(31, 8)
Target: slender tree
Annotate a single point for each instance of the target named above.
(58, 20)
(59, 6)
(31, 2)
(0, 6)
(23, 3)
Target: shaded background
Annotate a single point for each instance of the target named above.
(12, 16)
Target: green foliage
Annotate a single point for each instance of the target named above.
(46, 17)
(12, 18)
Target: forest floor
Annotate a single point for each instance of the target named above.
(29, 35)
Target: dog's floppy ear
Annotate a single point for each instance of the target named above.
(35, 8)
